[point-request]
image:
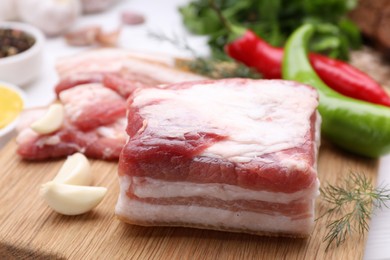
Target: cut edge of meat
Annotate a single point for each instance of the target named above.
(144, 214)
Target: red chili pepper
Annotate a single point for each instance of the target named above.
(340, 76)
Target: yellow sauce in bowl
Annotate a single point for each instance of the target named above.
(11, 104)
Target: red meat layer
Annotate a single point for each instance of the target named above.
(72, 140)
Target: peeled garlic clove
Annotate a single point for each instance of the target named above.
(86, 36)
(75, 171)
(71, 199)
(132, 18)
(51, 120)
(108, 39)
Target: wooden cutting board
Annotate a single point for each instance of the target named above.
(31, 230)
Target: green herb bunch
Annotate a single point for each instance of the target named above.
(209, 67)
(350, 206)
(274, 21)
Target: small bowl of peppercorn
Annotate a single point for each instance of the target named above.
(21, 52)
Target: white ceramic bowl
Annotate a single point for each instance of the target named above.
(24, 67)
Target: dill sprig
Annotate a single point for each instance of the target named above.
(351, 205)
(210, 67)
(174, 39)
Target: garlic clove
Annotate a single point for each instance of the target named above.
(132, 18)
(51, 121)
(71, 199)
(86, 36)
(108, 39)
(75, 171)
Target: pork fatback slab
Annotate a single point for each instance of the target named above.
(236, 155)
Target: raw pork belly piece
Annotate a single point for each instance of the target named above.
(94, 124)
(93, 87)
(121, 70)
(235, 155)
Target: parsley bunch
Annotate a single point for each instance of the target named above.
(275, 20)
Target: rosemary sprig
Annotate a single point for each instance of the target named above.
(350, 206)
(209, 67)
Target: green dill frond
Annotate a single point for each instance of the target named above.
(350, 206)
(209, 67)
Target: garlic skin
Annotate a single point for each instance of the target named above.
(51, 121)
(53, 17)
(71, 199)
(75, 171)
(94, 6)
(7, 10)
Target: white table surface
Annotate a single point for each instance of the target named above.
(162, 16)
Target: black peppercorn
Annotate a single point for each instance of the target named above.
(14, 41)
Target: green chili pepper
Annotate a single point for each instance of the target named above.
(357, 126)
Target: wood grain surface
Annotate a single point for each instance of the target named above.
(31, 230)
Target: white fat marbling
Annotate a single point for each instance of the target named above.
(116, 130)
(259, 117)
(85, 96)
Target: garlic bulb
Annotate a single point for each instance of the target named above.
(93, 6)
(51, 16)
(7, 10)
